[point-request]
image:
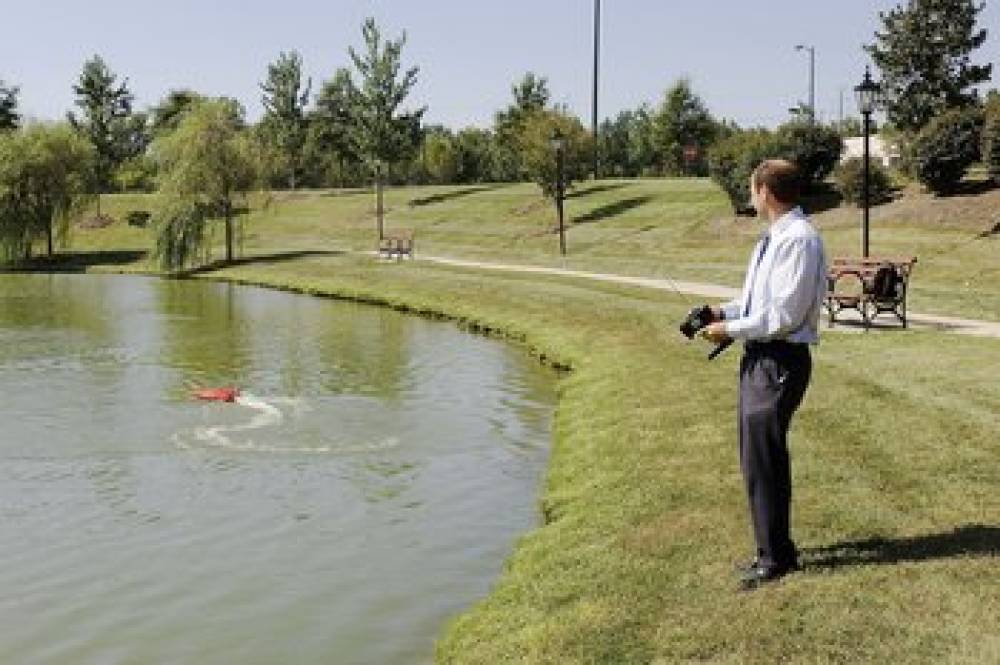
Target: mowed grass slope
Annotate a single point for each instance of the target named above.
(681, 228)
(896, 459)
(895, 462)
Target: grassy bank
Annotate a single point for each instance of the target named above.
(663, 228)
(895, 464)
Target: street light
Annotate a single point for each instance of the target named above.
(812, 79)
(866, 94)
(558, 144)
(379, 210)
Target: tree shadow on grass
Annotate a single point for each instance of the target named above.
(612, 210)
(596, 189)
(277, 257)
(967, 540)
(453, 194)
(72, 262)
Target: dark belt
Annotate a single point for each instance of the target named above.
(776, 346)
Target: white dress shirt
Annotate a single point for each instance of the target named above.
(786, 286)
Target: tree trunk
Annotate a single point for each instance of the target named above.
(227, 210)
(48, 237)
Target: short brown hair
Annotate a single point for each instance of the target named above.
(782, 179)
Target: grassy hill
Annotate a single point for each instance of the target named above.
(681, 228)
(895, 458)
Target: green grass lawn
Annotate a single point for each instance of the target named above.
(680, 228)
(895, 463)
(896, 460)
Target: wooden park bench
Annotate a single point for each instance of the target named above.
(397, 245)
(870, 286)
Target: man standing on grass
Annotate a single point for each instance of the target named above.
(777, 317)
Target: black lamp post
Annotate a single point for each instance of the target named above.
(866, 94)
(559, 145)
(812, 79)
(379, 210)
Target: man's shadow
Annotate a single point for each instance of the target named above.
(968, 540)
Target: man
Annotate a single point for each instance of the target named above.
(777, 318)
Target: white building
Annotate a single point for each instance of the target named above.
(880, 150)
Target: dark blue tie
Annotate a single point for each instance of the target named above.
(763, 248)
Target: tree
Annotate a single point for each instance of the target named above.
(941, 152)
(924, 56)
(285, 99)
(9, 117)
(330, 144)
(167, 115)
(531, 95)
(991, 135)
(682, 121)
(539, 157)
(44, 181)
(473, 155)
(206, 167)
(381, 130)
(441, 157)
(106, 121)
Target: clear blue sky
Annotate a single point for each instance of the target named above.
(739, 55)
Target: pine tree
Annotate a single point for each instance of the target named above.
(106, 110)
(9, 117)
(924, 55)
(285, 98)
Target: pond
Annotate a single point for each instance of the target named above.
(367, 485)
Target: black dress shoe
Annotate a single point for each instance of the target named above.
(758, 576)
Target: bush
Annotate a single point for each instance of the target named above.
(733, 159)
(815, 148)
(138, 218)
(991, 138)
(941, 152)
(850, 181)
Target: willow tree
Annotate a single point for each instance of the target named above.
(45, 180)
(207, 168)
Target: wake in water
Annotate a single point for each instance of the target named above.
(266, 415)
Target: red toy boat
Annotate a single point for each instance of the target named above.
(217, 394)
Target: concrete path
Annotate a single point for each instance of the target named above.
(716, 292)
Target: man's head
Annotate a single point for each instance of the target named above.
(775, 186)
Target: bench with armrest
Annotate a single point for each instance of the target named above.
(397, 244)
(870, 286)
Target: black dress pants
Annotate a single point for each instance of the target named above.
(773, 380)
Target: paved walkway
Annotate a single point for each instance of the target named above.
(715, 291)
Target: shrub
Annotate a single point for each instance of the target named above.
(733, 159)
(941, 152)
(815, 148)
(138, 218)
(850, 181)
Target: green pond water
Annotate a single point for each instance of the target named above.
(367, 486)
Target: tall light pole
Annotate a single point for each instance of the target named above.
(812, 79)
(379, 210)
(597, 62)
(559, 145)
(866, 93)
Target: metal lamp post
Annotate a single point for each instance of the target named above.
(379, 210)
(559, 145)
(866, 94)
(812, 79)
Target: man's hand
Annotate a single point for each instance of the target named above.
(715, 332)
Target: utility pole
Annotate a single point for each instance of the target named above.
(597, 61)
